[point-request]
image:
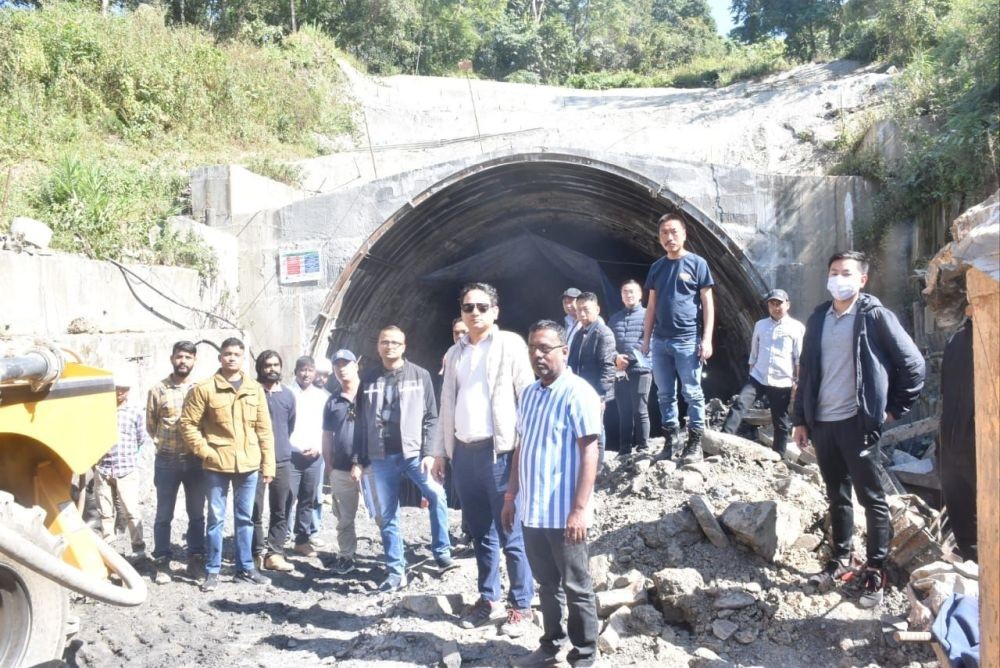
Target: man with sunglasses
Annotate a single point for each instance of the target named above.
(484, 375)
(396, 416)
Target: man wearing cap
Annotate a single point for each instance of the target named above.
(774, 368)
(117, 469)
(175, 466)
(307, 444)
(344, 466)
(569, 309)
(321, 378)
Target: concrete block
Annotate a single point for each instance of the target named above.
(610, 600)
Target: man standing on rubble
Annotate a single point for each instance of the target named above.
(550, 493)
(485, 372)
(859, 371)
(633, 380)
(680, 319)
(775, 348)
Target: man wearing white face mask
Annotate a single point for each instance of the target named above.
(858, 371)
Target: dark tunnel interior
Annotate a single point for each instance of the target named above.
(530, 227)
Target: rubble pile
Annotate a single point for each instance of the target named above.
(723, 549)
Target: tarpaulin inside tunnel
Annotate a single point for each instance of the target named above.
(524, 256)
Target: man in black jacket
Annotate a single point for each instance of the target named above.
(592, 354)
(859, 371)
(633, 380)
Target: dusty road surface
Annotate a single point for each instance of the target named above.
(742, 609)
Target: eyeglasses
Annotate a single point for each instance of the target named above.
(391, 344)
(545, 350)
(470, 307)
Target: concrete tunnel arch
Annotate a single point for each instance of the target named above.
(595, 208)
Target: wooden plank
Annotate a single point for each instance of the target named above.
(984, 296)
(894, 435)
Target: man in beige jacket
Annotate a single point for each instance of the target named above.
(484, 374)
(225, 422)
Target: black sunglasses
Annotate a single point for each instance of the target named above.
(470, 307)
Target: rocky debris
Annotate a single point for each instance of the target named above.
(81, 326)
(676, 588)
(450, 656)
(723, 629)
(610, 600)
(796, 490)
(646, 620)
(614, 630)
(734, 600)
(427, 605)
(703, 512)
(600, 572)
(706, 658)
(912, 544)
(765, 527)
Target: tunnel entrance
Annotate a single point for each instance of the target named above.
(529, 224)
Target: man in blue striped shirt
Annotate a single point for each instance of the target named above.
(553, 471)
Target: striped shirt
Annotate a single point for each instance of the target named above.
(163, 416)
(549, 422)
(123, 458)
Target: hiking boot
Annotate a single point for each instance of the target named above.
(833, 573)
(482, 612)
(692, 450)
(276, 562)
(392, 582)
(517, 623)
(873, 584)
(196, 566)
(446, 564)
(210, 583)
(305, 549)
(671, 441)
(258, 562)
(161, 570)
(253, 577)
(343, 566)
(540, 658)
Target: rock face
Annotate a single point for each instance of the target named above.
(765, 526)
(705, 515)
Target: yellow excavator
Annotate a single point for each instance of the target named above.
(58, 417)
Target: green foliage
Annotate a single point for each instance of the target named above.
(891, 30)
(810, 27)
(283, 172)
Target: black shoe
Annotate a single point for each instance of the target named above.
(873, 582)
(446, 564)
(343, 566)
(196, 566)
(211, 582)
(692, 450)
(671, 440)
(833, 573)
(253, 577)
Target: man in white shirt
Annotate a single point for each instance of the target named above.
(307, 441)
(484, 374)
(774, 368)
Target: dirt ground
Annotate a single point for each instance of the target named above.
(311, 617)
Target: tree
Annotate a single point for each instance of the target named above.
(809, 27)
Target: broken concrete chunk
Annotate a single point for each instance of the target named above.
(610, 600)
(676, 588)
(611, 637)
(705, 514)
(766, 527)
(427, 606)
(31, 231)
(450, 656)
(807, 542)
(600, 572)
(723, 628)
(717, 443)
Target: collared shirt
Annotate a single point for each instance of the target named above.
(838, 381)
(550, 420)
(339, 417)
(123, 457)
(572, 326)
(309, 405)
(282, 408)
(774, 351)
(163, 416)
(473, 408)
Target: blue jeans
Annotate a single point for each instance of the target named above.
(673, 359)
(169, 473)
(244, 489)
(387, 474)
(481, 484)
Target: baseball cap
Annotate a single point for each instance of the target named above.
(776, 294)
(345, 355)
(573, 293)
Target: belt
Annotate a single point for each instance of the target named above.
(476, 444)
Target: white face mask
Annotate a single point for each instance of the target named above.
(843, 288)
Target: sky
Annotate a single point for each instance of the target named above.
(720, 11)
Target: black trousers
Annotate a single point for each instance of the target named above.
(562, 571)
(632, 399)
(304, 475)
(849, 457)
(279, 492)
(777, 397)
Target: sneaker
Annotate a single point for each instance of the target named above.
(276, 562)
(540, 658)
(517, 623)
(161, 570)
(343, 566)
(482, 612)
(305, 549)
(211, 582)
(834, 572)
(446, 564)
(873, 583)
(253, 577)
(196, 566)
(392, 582)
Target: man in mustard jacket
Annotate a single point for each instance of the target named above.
(226, 424)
